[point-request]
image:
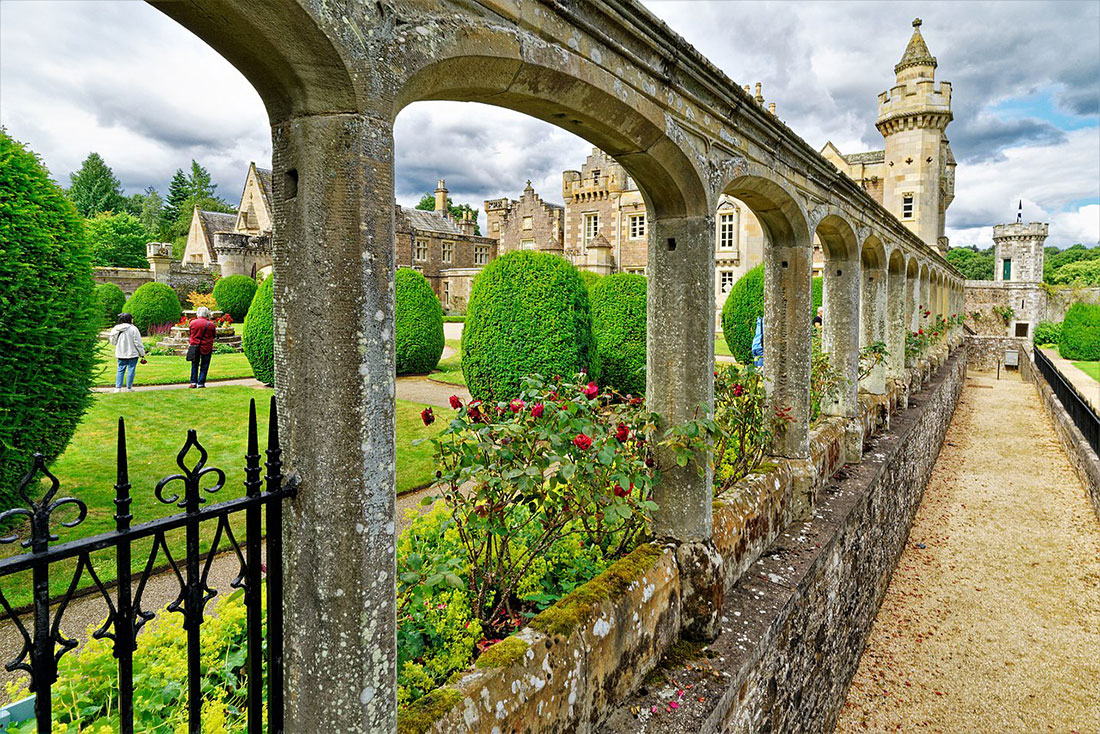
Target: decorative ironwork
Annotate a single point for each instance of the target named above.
(43, 644)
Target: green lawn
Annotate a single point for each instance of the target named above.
(156, 427)
(720, 347)
(449, 370)
(1092, 369)
(165, 370)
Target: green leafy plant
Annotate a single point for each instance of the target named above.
(234, 295)
(870, 357)
(1048, 332)
(618, 304)
(50, 316)
(117, 240)
(826, 382)
(1004, 313)
(111, 299)
(153, 304)
(744, 424)
(258, 339)
(528, 314)
(1080, 337)
(419, 324)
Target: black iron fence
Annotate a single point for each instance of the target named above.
(1084, 417)
(44, 644)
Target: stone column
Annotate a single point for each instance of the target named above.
(788, 276)
(334, 377)
(872, 309)
(896, 314)
(680, 378)
(159, 255)
(841, 299)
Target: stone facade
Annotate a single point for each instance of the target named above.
(238, 244)
(914, 177)
(128, 279)
(448, 253)
(199, 249)
(527, 223)
(1018, 252)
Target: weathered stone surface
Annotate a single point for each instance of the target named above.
(702, 589)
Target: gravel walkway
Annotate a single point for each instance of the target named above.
(991, 622)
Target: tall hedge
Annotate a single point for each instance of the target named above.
(618, 304)
(1080, 338)
(258, 339)
(528, 313)
(419, 324)
(153, 304)
(110, 299)
(745, 303)
(49, 314)
(590, 279)
(234, 295)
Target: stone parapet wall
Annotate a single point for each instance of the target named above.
(187, 277)
(128, 279)
(986, 351)
(1081, 455)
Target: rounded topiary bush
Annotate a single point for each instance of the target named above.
(590, 279)
(234, 295)
(618, 304)
(111, 300)
(50, 318)
(744, 304)
(1080, 339)
(1048, 332)
(817, 295)
(419, 324)
(258, 339)
(153, 304)
(528, 314)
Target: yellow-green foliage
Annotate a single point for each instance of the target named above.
(504, 653)
(418, 717)
(578, 606)
(453, 632)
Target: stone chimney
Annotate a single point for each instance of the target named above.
(441, 198)
(467, 223)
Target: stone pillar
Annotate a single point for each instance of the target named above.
(872, 310)
(680, 378)
(334, 377)
(896, 314)
(788, 276)
(841, 340)
(159, 255)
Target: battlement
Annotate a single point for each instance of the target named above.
(913, 97)
(1019, 230)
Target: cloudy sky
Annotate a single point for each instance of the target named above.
(123, 80)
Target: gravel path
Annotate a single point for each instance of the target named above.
(991, 622)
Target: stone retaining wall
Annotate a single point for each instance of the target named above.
(1085, 461)
(984, 352)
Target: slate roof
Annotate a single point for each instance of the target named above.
(430, 221)
(265, 186)
(871, 156)
(916, 53)
(216, 222)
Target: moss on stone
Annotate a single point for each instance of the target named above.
(575, 608)
(418, 716)
(503, 654)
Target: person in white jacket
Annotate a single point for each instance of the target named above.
(128, 349)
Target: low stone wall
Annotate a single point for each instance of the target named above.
(128, 279)
(1085, 461)
(984, 352)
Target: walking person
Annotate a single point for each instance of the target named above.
(128, 350)
(201, 345)
(758, 344)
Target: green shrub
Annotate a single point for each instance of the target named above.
(528, 314)
(1080, 338)
(745, 303)
(258, 339)
(111, 299)
(117, 240)
(1048, 332)
(618, 304)
(418, 326)
(49, 313)
(590, 279)
(153, 304)
(234, 295)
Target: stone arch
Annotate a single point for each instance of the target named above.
(841, 298)
(896, 316)
(873, 306)
(788, 273)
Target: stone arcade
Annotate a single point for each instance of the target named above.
(333, 77)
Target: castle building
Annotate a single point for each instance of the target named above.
(527, 223)
(238, 244)
(914, 175)
(447, 252)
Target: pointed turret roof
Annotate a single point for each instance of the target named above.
(916, 53)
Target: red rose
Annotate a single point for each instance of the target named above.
(590, 390)
(456, 402)
(738, 390)
(582, 442)
(536, 410)
(427, 416)
(649, 462)
(620, 492)
(622, 433)
(553, 395)
(716, 374)
(474, 410)
(920, 331)
(517, 405)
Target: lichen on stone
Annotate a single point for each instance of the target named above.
(418, 716)
(503, 654)
(575, 608)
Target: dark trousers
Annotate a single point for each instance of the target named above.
(199, 368)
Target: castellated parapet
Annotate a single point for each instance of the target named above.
(1019, 251)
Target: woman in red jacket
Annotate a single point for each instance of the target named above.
(201, 346)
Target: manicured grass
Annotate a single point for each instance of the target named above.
(720, 347)
(449, 370)
(166, 370)
(1092, 369)
(156, 428)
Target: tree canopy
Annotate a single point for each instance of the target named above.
(94, 188)
(973, 263)
(117, 240)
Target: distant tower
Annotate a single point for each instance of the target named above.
(1019, 251)
(920, 170)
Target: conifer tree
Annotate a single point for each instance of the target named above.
(94, 188)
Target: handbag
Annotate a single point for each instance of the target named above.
(193, 353)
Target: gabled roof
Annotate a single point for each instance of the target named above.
(430, 221)
(264, 174)
(916, 53)
(871, 156)
(216, 222)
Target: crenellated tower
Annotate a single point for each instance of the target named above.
(919, 180)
